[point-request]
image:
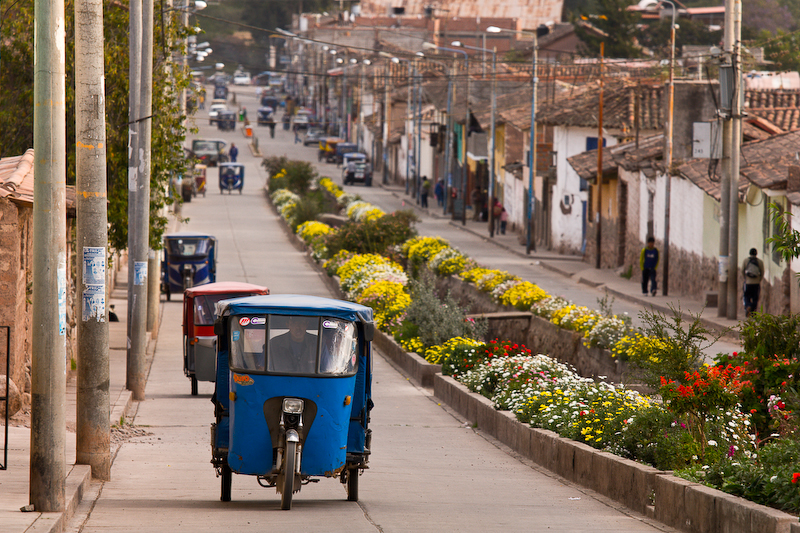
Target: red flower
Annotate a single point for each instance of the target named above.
(796, 477)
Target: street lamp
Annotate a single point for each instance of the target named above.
(431, 46)
(532, 137)
(491, 145)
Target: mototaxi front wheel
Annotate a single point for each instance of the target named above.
(288, 476)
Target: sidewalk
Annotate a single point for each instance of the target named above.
(578, 271)
(15, 482)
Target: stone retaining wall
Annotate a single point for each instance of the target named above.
(536, 333)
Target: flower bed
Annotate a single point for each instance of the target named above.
(709, 439)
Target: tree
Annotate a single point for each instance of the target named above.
(614, 25)
(16, 106)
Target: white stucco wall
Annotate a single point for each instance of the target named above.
(686, 216)
(514, 199)
(568, 228)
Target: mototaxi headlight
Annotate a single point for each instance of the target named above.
(292, 405)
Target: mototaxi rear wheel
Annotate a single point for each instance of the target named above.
(352, 484)
(227, 479)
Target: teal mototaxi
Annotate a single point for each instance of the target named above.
(293, 392)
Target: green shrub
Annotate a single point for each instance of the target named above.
(771, 359)
(437, 320)
(285, 173)
(373, 236)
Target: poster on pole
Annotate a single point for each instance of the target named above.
(140, 272)
(61, 277)
(94, 303)
(94, 265)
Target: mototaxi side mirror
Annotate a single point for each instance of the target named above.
(369, 331)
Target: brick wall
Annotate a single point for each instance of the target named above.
(16, 223)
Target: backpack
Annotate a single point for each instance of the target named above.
(752, 270)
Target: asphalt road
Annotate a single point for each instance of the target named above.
(429, 471)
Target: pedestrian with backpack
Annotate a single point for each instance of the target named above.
(753, 272)
(648, 262)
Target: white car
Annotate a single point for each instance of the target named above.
(241, 79)
(214, 110)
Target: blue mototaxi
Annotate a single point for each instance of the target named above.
(293, 392)
(190, 259)
(231, 177)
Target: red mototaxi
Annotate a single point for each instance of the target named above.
(199, 314)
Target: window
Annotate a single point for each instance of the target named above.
(303, 345)
(187, 247)
(205, 308)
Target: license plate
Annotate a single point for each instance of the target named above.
(360, 175)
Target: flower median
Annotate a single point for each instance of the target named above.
(703, 437)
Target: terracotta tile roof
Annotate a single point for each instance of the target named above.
(763, 163)
(16, 178)
(781, 107)
(16, 181)
(581, 109)
(625, 155)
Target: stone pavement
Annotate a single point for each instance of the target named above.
(15, 481)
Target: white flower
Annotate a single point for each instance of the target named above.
(694, 458)
(712, 442)
(705, 467)
(772, 479)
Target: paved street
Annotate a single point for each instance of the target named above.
(428, 472)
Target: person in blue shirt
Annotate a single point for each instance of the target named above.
(233, 153)
(648, 262)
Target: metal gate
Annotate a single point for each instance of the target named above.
(5, 399)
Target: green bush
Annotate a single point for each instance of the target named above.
(654, 437)
(285, 173)
(307, 209)
(373, 236)
(772, 478)
(771, 359)
(436, 320)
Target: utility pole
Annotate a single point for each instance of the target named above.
(670, 129)
(387, 117)
(530, 244)
(599, 221)
(736, 146)
(418, 144)
(448, 163)
(93, 429)
(48, 349)
(141, 61)
(464, 138)
(725, 187)
(492, 193)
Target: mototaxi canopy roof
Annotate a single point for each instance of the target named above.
(225, 287)
(296, 304)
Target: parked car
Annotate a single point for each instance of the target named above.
(241, 78)
(301, 122)
(313, 135)
(355, 167)
(209, 151)
(214, 111)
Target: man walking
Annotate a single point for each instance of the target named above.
(233, 153)
(753, 272)
(426, 188)
(648, 262)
